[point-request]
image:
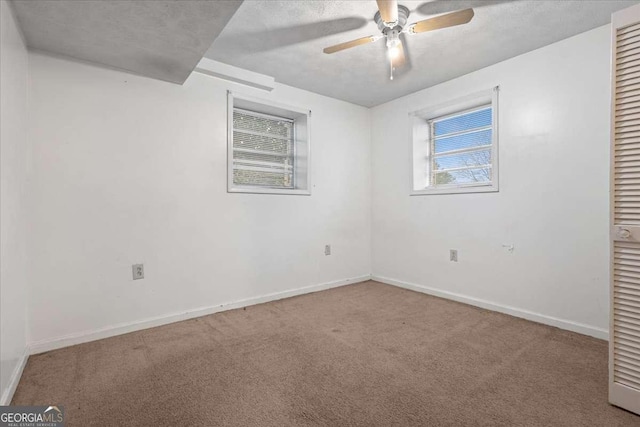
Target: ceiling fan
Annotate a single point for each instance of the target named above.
(392, 20)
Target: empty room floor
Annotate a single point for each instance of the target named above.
(364, 354)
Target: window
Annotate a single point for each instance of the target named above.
(262, 150)
(268, 148)
(455, 147)
(461, 147)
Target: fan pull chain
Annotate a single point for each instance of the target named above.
(391, 70)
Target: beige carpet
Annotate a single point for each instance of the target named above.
(361, 355)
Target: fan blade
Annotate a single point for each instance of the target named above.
(400, 60)
(348, 45)
(388, 10)
(449, 20)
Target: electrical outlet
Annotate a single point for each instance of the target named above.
(138, 271)
(327, 249)
(453, 255)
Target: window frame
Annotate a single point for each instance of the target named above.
(301, 119)
(425, 117)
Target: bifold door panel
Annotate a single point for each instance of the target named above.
(624, 331)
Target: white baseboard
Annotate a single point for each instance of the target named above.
(7, 394)
(517, 312)
(124, 328)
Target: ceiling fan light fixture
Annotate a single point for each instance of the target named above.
(391, 19)
(393, 43)
(393, 52)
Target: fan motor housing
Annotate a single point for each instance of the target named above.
(403, 15)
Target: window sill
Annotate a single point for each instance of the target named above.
(257, 190)
(456, 190)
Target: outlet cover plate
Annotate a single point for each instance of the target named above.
(138, 271)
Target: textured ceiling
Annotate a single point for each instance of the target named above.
(284, 39)
(155, 38)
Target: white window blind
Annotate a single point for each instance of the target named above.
(263, 150)
(461, 148)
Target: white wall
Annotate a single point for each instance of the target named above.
(132, 170)
(14, 162)
(553, 200)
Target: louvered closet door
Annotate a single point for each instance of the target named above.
(624, 332)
